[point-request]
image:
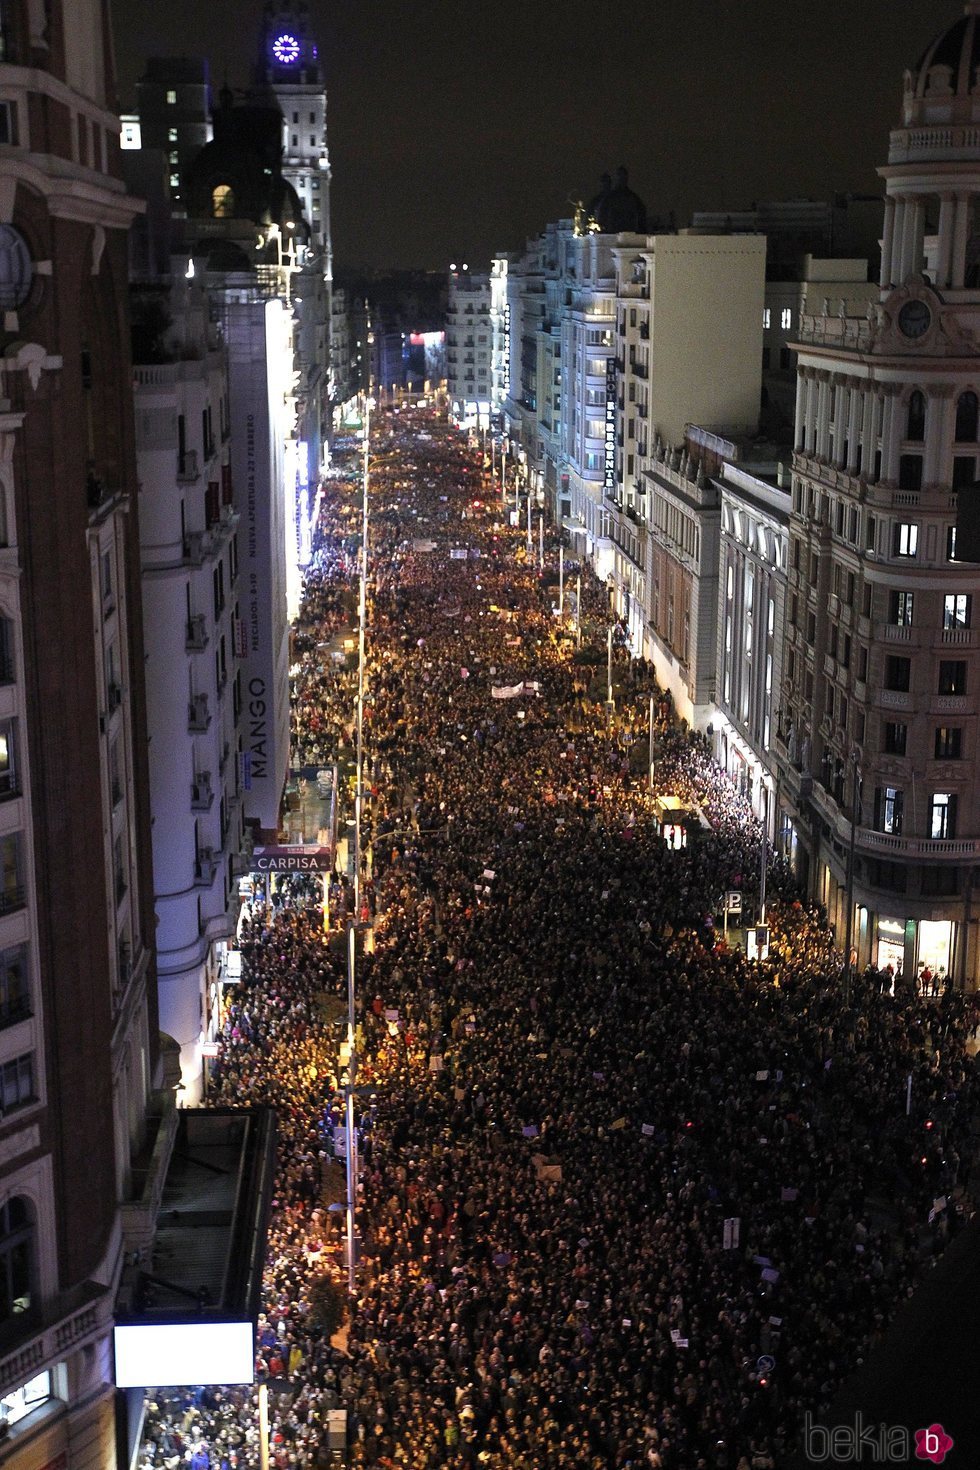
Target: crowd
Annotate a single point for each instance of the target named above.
(628, 1199)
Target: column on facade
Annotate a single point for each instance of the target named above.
(890, 435)
(868, 432)
(939, 432)
(944, 261)
(802, 397)
(853, 429)
(961, 226)
(887, 244)
(823, 414)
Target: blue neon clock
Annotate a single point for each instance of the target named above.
(285, 49)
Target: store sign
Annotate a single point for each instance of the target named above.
(291, 860)
(610, 477)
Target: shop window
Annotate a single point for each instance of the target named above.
(949, 743)
(942, 820)
(952, 676)
(915, 429)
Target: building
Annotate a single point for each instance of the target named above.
(689, 315)
(78, 1027)
(469, 347)
(173, 102)
(194, 640)
(290, 72)
(878, 748)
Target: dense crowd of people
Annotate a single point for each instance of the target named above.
(628, 1199)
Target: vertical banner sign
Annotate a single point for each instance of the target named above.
(610, 477)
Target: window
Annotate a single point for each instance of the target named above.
(15, 995)
(786, 318)
(16, 1089)
(915, 427)
(869, 535)
(171, 135)
(898, 673)
(967, 415)
(17, 1234)
(175, 181)
(964, 471)
(952, 676)
(892, 803)
(11, 887)
(949, 743)
(910, 472)
(171, 98)
(766, 318)
(8, 764)
(223, 201)
(6, 651)
(22, 1401)
(905, 539)
(900, 608)
(896, 736)
(942, 817)
(951, 543)
(957, 607)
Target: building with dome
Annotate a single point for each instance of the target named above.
(878, 731)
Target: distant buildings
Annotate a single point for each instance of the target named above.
(469, 347)
(795, 552)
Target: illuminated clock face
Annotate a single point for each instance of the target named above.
(285, 48)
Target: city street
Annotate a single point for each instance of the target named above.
(627, 1198)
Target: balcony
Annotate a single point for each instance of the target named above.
(198, 713)
(960, 637)
(894, 633)
(205, 868)
(197, 633)
(188, 470)
(63, 1326)
(895, 699)
(202, 794)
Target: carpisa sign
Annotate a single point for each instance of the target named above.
(292, 860)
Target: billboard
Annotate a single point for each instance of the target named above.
(167, 1354)
(291, 860)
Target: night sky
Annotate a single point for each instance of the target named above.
(459, 128)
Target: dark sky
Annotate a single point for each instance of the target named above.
(460, 127)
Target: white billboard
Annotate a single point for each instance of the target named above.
(163, 1355)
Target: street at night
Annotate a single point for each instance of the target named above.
(568, 1083)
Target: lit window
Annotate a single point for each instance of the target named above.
(17, 1265)
(766, 319)
(786, 318)
(171, 98)
(956, 610)
(25, 1400)
(223, 201)
(175, 181)
(891, 810)
(906, 541)
(171, 135)
(942, 822)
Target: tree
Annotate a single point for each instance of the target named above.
(327, 1304)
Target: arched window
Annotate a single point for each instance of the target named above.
(17, 1238)
(916, 429)
(223, 201)
(967, 412)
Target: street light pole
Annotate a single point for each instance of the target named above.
(561, 581)
(578, 610)
(609, 683)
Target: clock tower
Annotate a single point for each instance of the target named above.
(878, 738)
(289, 66)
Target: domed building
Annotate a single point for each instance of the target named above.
(617, 209)
(878, 731)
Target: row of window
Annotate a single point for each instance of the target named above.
(948, 740)
(967, 429)
(889, 812)
(951, 680)
(785, 318)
